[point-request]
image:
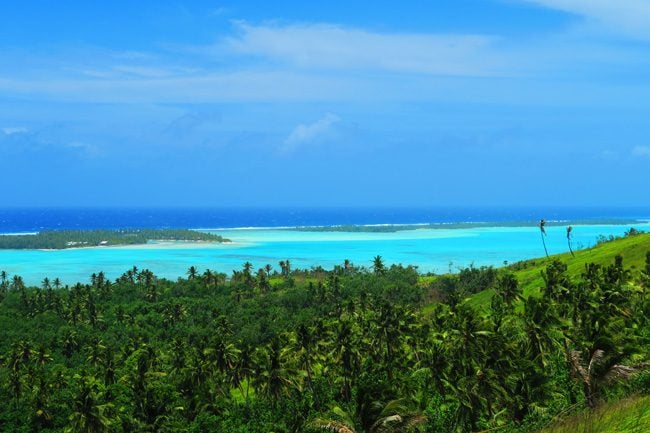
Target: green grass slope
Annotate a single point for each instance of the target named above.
(632, 248)
(631, 415)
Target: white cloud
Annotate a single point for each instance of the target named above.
(11, 130)
(307, 133)
(324, 62)
(641, 151)
(142, 71)
(336, 47)
(623, 16)
(87, 149)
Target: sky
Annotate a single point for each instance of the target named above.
(337, 103)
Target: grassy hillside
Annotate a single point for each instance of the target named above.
(632, 248)
(631, 415)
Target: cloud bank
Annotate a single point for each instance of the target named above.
(336, 47)
(630, 17)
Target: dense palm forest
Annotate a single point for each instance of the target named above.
(345, 350)
(61, 239)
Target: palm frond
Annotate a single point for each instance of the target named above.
(576, 364)
(596, 360)
(414, 420)
(342, 415)
(621, 372)
(331, 426)
(394, 407)
(385, 424)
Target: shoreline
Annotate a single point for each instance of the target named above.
(428, 249)
(379, 227)
(148, 246)
(336, 236)
(386, 227)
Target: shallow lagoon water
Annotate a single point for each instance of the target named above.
(435, 250)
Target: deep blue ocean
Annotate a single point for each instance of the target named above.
(14, 220)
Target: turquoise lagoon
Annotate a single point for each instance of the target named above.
(432, 250)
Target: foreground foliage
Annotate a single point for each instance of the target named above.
(631, 415)
(346, 350)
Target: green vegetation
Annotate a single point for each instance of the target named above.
(631, 415)
(352, 349)
(61, 239)
(632, 248)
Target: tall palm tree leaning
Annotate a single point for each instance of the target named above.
(568, 239)
(542, 231)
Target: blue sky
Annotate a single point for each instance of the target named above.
(338, 103)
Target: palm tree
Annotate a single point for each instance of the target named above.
(96, 351)
(508, 288)
(16, 384)
(273, 377)
(287, 264)
(542, 231)
(645, 281)
(557, 284)
(191, 273)
(88, 414)
(392, 417)
(42, 356)
(3, 284)
(247, 273)
(174, 313)
(540, 320)
(473, 381)
(432, 366)
(597, 368)
(263, 281)
(17, 283)
(389, 330)
(347, 356)
(568, 239)
(69, 343)
(101, 279)
(148, 278)
(378, 265)
(222, 353)
(285, 267)
(529, 385)
(42, 417)
(208, 277)
(305, 346)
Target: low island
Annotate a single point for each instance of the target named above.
(62, 239)
(392, 228)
